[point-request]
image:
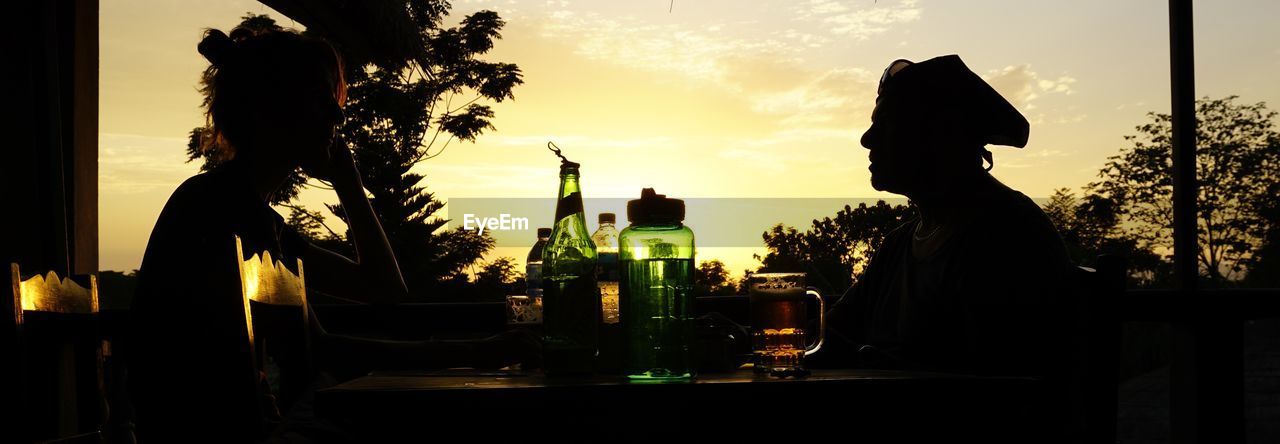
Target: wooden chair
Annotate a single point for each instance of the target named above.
(1094, 379)
(52, 329)
(278, 323)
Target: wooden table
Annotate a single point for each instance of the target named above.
(875, 405)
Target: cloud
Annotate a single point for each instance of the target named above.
(704, 54)
(1137, 104)
(832, 98)
(769, 73)
(1077, 118)
(580, 141)
(766, 160)
(805, 39)
(823, 7)
(129, 163)
(859, 24)
(793, 149)
(1022, 86)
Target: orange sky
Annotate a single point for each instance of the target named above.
(713, 99)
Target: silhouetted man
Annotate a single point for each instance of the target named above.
(973, 285)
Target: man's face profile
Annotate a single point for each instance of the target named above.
(897, 148)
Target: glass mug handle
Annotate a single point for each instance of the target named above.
(822, 323)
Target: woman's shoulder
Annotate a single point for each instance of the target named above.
(211, 189)
(200, 202)
(206, 185)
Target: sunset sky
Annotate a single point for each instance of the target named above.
(712, 99)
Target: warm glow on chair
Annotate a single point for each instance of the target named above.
(51, 293)
(267, 280)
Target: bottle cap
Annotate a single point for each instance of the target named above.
(608, 218)
(652, 207)
(544, 232)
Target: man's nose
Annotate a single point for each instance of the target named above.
(870, 138)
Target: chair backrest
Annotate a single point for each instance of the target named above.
(1095, 381)
(277, 318)
(55, 333)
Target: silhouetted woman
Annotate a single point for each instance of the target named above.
(274, 101)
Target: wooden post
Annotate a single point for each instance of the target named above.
(1207, 374)
(82, 167)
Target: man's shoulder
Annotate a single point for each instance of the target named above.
(1013, 225)
(1012, 210)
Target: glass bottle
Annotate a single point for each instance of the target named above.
(570, 301)
(533, 265)
(656, 257)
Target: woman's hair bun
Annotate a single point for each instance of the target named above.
(215, 47)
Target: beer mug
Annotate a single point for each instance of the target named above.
(779, 321)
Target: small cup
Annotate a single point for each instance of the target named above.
(524, 310)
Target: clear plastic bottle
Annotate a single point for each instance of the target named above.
(656, 257)
(533, 265)
(609, 359)
(606, 240)
(571, 300)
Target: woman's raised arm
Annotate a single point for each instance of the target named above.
(379, 279)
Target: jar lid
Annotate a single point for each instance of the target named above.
(654, 208)
(608, 218)
(544, 232)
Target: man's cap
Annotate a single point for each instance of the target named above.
(948, 88)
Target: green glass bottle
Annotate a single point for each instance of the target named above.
(571, 300)
(655, 255)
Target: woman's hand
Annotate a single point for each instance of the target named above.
(335, 164)
(509, 347)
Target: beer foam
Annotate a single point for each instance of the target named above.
(766, 290)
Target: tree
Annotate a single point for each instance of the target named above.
(115, 288)
(398, 117)
(499, 278)
(1090, 226)
(712, 279)
(834, 250)
(1238, 168)
(1264, 271)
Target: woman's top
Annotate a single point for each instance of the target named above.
(190, 370)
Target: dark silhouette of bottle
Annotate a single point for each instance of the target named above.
(571, 300)
(533, 265)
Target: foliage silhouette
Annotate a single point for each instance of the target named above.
(711, 278)
(834, 250)
(1238, 169)
(1090, 226)
(500, 277)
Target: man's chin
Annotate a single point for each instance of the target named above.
(881, 184)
